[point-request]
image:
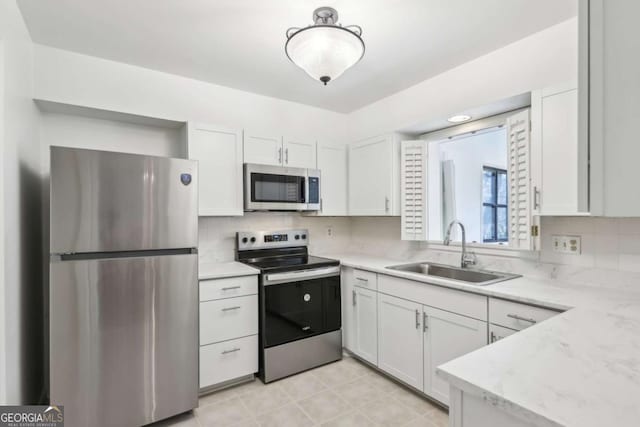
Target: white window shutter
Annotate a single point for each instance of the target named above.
(520, 194)
(413, 170)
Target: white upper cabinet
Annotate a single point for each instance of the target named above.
(374, 176)
(332, 162)
(299, 153)
(558, 172)
(267, 149)
(609, 67)
(413, 189)
(523, 230)
(219, 154)
(262, 149)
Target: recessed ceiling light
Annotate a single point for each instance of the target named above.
(459, 119)
(325, 49)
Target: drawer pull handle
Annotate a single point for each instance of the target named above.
(233, 350)
(525, 319)
(306, 328)
(494, 338)
(362, 279)
(417, 319)
(353, 297)
(424, 322)
(229, 288)
(237, 307)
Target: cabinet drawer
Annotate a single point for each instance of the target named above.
(516, 316)
(459, 302)
(228, 360)
(226, 319)
(365, 279)
(228, 287)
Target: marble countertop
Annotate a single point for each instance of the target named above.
(579, 368)
(219, 270)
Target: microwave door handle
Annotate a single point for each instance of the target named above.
(304, 190)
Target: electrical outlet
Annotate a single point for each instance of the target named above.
(329, 230)
(567, 244)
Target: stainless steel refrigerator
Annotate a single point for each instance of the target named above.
(123, 290)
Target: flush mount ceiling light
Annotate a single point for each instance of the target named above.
(325, 49)
(459, 119)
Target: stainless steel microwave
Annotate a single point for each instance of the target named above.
(277, 188)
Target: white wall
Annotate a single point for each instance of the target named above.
(22, 302)
(72, 78)
(543, 59)
(76, 131)
(3, 360)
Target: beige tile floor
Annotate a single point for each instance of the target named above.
(343, 394)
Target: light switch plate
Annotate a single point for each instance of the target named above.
(567, 244)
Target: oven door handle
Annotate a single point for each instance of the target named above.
(296, 276)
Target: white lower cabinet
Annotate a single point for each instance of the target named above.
(408, 328)
(227, 360)
(365, 323)
(447, 336)
(228, 330)
(400, 339)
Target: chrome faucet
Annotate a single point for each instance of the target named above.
(466, 259)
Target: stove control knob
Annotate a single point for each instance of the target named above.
(297, 237)
(245, 240)
(304, 236)
(253, 240)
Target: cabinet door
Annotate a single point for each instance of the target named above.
(496, 333)
(366, 324)
(299, 153)
(400, 339)
(262, 149)
(447, 336)
(348, 309)
(332, 162)
(561, 187)
(219, 155)
(373, 177)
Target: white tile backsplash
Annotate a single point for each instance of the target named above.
(217, 234)
(610, 246)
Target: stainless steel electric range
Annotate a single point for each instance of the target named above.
(299, 294)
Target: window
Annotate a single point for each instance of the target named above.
(494, 205)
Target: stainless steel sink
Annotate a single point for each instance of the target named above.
(466, 275)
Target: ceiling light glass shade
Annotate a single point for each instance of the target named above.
(325, 50)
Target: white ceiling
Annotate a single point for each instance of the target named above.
(240, 43)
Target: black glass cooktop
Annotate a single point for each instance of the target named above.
(291, 262)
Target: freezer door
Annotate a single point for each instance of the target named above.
(107, 202)
(124, 339)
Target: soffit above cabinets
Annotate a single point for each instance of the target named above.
(240, 44)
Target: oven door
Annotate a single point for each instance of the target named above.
(275, 188)
(300, 304)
